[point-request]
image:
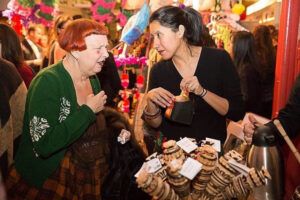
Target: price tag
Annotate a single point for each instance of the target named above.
(153, 165)
(215, 143)
(190, 168)
(187, 145)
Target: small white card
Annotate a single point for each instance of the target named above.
(215, 143)
(190, 168)
(187, 145)
(153, 165)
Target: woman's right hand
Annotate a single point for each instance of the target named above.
(96, 102)
(160, 97)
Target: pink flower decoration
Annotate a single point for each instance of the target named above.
(123, 2)
(107, 5)
(142, 60)
(131, 60)
(46, 9)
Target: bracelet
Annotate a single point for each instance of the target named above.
(203, 93)
(147, 115)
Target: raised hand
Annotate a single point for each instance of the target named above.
(160, 97)
(191, 84)
(249, 129)
(96, 102)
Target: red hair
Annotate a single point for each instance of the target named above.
(72, 38)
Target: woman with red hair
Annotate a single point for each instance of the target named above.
(55, 159)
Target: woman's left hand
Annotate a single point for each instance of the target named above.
(191, 84)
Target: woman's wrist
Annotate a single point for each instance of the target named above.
(201, 93)
(147, 114)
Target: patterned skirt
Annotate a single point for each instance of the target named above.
(70, 181)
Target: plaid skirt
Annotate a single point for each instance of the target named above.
(71, 181)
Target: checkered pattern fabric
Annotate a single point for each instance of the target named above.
(70, 181)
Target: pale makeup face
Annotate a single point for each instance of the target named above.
(92, 58)
(165, 41)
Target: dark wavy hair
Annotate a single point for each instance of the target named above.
(172, 17)
(244, 51)
(11, 46)
(265, 49)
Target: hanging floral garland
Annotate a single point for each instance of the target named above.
(130, 97)
(130, 60)
(102, 11)
(45, 12)
(30, 11)
(27, 3)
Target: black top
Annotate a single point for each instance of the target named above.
(30, 55)
(289, 116)
(10, 81)
(216, 73)
(251, 87)
(110, 80)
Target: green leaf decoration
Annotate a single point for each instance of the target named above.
(127, 13)
(27, 3)
(45, 16)
(102, 10)
(49, 2)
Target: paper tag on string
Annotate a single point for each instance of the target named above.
(190, 168)
(187, 145)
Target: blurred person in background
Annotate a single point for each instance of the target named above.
(12, 51)
(244, 57)
(267, 60)
(12, 103)
(110, 81)
(56, 53)
(31, 49)
(274, 35)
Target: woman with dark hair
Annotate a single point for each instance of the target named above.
(207, 74)
(63, 150)
(12, 51)
(267, 58)
(246, 61)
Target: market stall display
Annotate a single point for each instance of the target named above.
(193, 172)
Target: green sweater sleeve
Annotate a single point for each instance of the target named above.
(55, 121)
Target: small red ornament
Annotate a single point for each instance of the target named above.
(125, 106)
(124, 80)
(243, 15)
(139, 81)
